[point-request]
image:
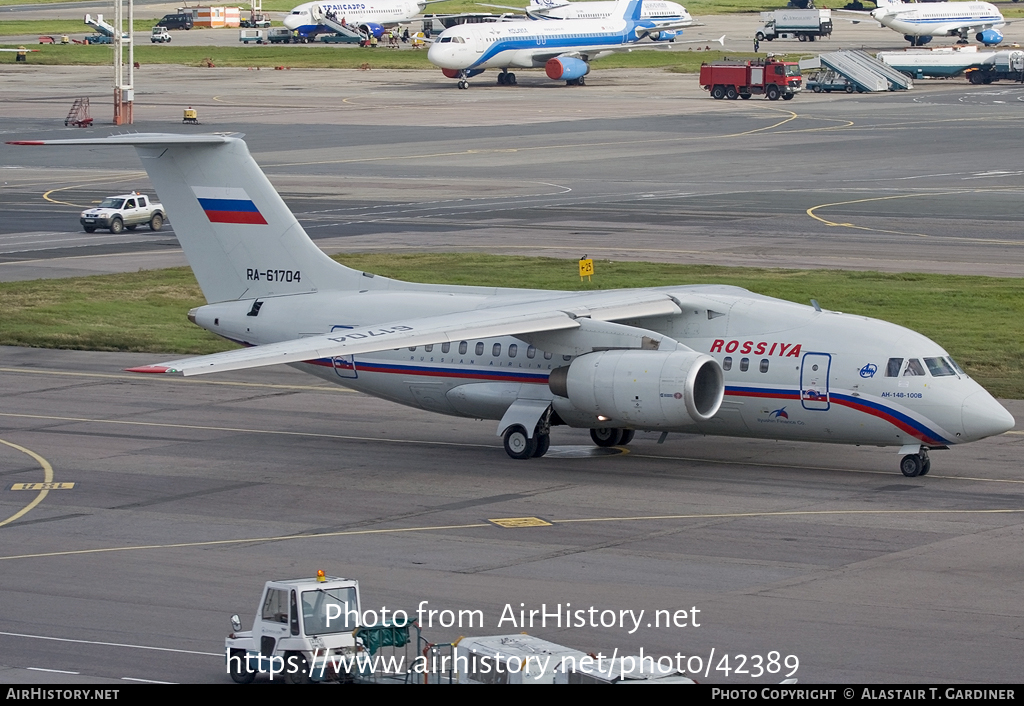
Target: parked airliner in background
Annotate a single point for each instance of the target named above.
(920, 21)
(564, 48)
(368, 16)
(562, 10)
(703, 359)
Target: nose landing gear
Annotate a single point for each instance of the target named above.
(917, 464)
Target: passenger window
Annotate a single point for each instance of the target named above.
(512, 350)
(480, 348)
(764, 365)
(531, 352)
(429, 348)
(566, 357)
(496, 350)
(412, 348)
(727, 363)
(744, 364)
(463, 346)
(892, 370)
(914, 367)
(547, 356)
(130, 203)
(445, 347)
(142, 202)
(938, 367)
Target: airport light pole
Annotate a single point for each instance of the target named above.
(124, 90)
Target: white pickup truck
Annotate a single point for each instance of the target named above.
(117, 213)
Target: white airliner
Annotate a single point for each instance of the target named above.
(307, 20)
(561, 10)
(563, 48)
(920, 21)
(704, 359)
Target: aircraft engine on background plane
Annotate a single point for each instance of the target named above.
(989, 37)
(664, 36)
(643, 388)
(917, 41)
(566, 68)
(368, 28)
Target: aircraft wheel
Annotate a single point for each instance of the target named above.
(627, 436)
(511, 80)
(718, 93)
(731, 93)
(543, 444)
(517, 444)
(606, 437)
(925, 467)
(236, 668)
(116, 226)
(911, 465)
(502, 79)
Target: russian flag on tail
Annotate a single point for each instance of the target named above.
(228, 205)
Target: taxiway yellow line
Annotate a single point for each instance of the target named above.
(177, 379)
(47, 478)
(46, 196)
(477, 525)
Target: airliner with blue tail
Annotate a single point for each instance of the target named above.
(564, 48)
(919, 22)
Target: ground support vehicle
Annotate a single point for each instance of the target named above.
(805, 25)
(280, 35)
(255, 20)
(250, 35)
(97, 39)
(340, 39)
(742, 79)
(827, 81)
(160, 35)
(128, 211)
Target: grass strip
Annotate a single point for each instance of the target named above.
(979, 320)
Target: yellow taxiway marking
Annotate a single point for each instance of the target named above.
(176, 378)
(477, 525)
(47, 478)
(243, 430)
(811, 212)
(46, 196)
(42, 486)
(515, 522)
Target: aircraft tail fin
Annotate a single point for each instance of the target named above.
(628, 9)
(238, 235)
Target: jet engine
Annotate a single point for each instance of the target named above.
(643, 389)
(664, 36)
(373, 28)
(988, 37)
(566, 68)
(917, 41)
(454, 73)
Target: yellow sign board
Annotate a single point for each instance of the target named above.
(586, 268)
(514, 522)
(42, 486)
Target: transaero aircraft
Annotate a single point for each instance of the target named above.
(561, 10)
(564, 48)
(369, 16)
(701, 359)
(918, 22)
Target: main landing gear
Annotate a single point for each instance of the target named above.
(506, 78)
(611, 437)
(917, 464)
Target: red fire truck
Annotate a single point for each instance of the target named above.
(742, 79)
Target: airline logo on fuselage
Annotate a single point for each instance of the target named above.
(228, 205)
(781, 350)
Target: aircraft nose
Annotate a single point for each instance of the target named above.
(983, 416)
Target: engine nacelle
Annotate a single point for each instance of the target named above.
(643, 389)
(454, 73)
(989, 37)
(373, 28)
(566, 68)
(917, 41)
(664, 36)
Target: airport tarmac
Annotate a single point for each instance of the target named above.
(190, 493)
(637, 165)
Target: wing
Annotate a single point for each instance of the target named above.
(532, 317)
(593, 53)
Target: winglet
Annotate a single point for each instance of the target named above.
(721, 40)
(150, 369)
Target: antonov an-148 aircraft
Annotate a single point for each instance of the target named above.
(701, 359)
(918, 22)
(563, 48)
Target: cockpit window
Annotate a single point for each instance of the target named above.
(955, 366)
(914, 367)
(445, 40)
(892, 370)
(938, 367)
